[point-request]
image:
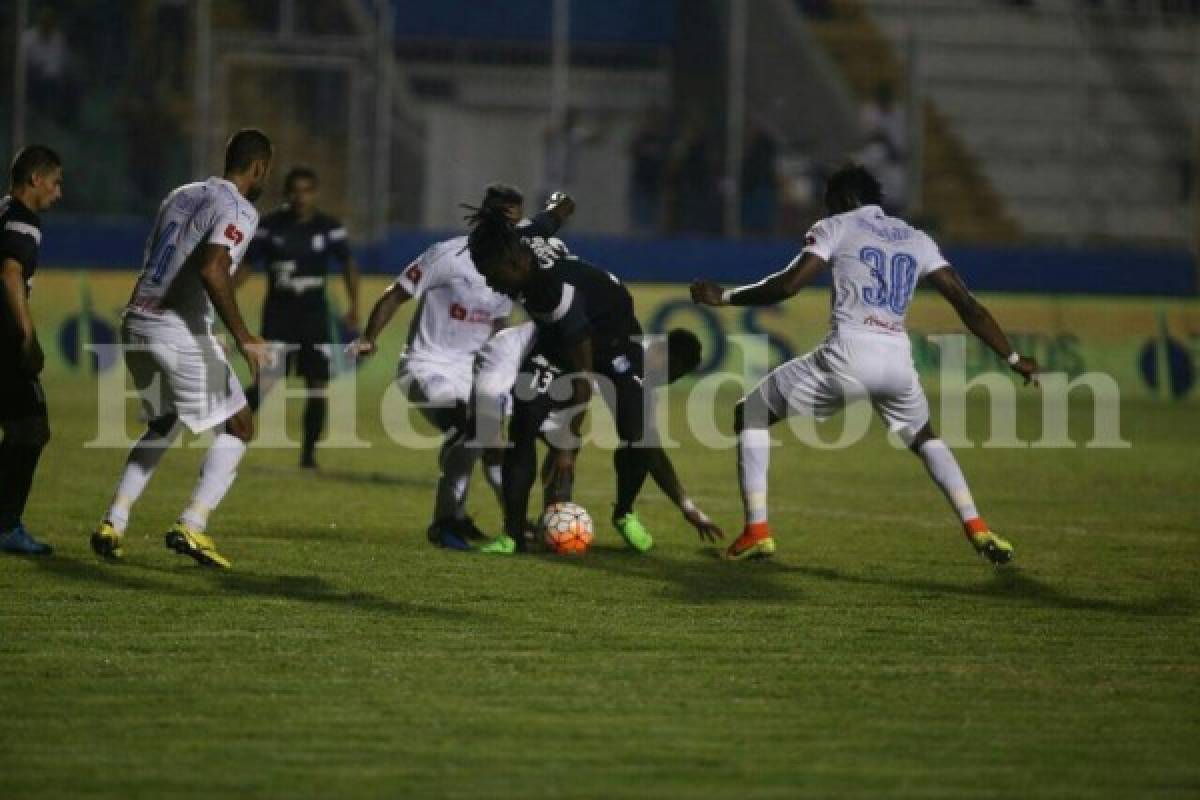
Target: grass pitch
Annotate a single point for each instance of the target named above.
(875, 656)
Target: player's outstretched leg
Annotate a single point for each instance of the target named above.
(161, 433)
(187, 536)
(20, 451)
(944, 469)
(750, 422)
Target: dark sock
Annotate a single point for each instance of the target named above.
(315, 409)
(253, 398)
(631, 466)
(18, 462)
(520, 467)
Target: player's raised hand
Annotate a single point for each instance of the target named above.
(1028, 369)
(258, 354)
(561, 205)
(705, 527)
(360, 348)
(707, 293)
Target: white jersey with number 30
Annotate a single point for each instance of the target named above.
(169, 287)
(876, 262)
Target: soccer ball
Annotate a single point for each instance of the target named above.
(567, 529)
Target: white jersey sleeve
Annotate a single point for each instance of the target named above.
(929, 256)
(823, 238)
(232, 226)
(431, 269)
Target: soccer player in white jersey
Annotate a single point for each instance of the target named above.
(876, 261)
(457, 314)
(199, 238)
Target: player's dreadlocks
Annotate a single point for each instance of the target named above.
(851, 187)
(492, 239)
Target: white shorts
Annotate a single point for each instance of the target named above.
(182, 373)
(499, 363)
(437, 383)
(501, 358)
(845, 368)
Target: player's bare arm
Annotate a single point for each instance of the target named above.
(18, 306)
(351, 275)
(665, 477)
(215, 263)
(775, 288)
(980, 322)
(381, 315)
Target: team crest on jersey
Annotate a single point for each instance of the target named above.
(233, 234)
(463, 314)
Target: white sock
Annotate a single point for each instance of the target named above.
(216, 476)
(754, 458)
(457, 460)
(944, 470)
(143, 460)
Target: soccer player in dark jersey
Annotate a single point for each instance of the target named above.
(585, 326)
(297, 243)
(36, 185)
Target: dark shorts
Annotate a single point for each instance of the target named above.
(542, 390)
(310, 362)
(305, 327)
(22, 396)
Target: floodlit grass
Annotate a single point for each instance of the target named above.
(876, 656)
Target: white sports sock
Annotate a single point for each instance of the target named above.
(944, 470)
(216, 476)
(457, 460)
(143, 460)
(754, 458)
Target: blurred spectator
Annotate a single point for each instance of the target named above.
(47, 64)
(881, 158)
(648, 154)
(695, 201)
(563, 141)
(880, 116)
(760, 185)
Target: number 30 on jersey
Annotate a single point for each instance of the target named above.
(894, 280)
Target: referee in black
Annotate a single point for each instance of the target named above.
(298, 244)
(36, 185)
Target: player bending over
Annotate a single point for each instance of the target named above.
(199, 238)
(297, 243)
(583, 324)
(513, 355)
(36, 185)
(877, 262)
(457, 313)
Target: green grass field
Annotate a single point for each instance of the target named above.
(876, 656)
